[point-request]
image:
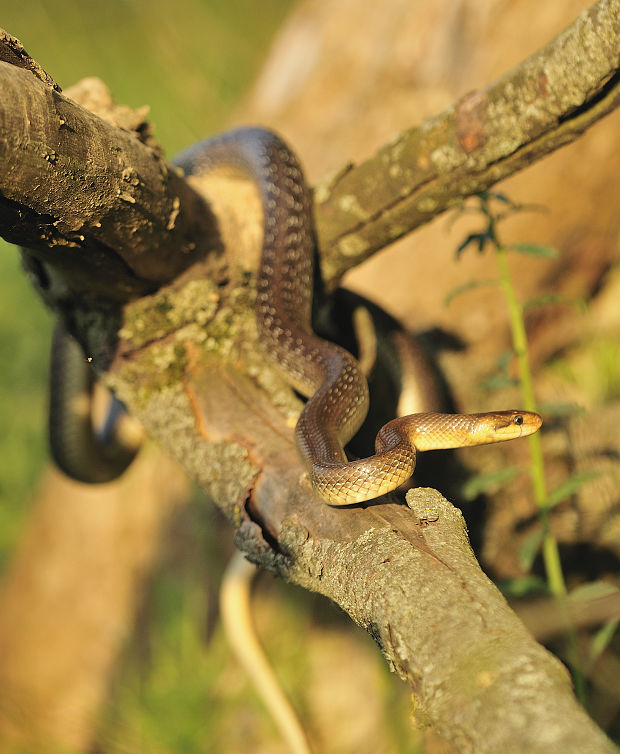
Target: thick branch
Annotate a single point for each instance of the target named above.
(540, 105)
(90, 198)
(407, 576)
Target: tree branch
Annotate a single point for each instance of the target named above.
(408, 577)
(542, 104)
(91, 198)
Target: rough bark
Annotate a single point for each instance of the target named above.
(78, 190)
(185, 360)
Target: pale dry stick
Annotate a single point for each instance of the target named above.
(236, 617)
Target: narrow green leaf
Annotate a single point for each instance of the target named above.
(560, 410)
(522, 586)
(534, 250)
(504, 199)
(498, 382)
(468, 287)
(569, 487)
(602, 639)
(479, 239)
(592, 591)
(529, 549)
(503, 362)
(480, 483)
(552, 299)
(588, 593)
(500, 197)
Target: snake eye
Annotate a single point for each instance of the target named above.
(518, 420)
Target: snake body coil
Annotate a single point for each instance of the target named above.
(79, 449)
(325, 373)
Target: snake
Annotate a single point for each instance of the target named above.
(327, 375)
(82, 450)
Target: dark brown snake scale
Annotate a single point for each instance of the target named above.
(325, 373)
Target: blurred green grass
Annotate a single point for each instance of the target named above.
(189, 60)
(25, 331)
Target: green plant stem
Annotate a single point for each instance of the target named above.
(550, 552)
(551, 556)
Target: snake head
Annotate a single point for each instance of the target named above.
(509, 425)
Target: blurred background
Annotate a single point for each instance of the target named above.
(109, 634)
